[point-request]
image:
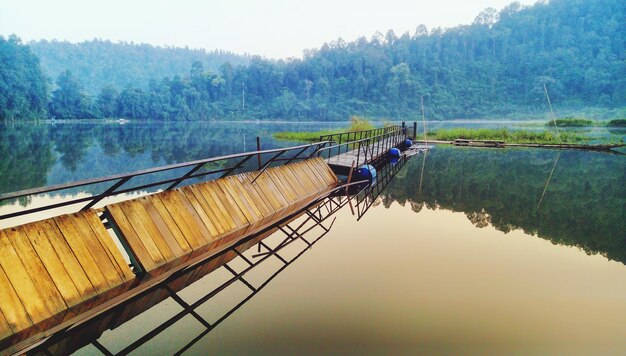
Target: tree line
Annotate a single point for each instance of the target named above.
(494, 67)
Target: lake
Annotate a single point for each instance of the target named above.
(465, 251)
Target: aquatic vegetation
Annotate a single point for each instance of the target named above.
(357, 123)
(508, 136)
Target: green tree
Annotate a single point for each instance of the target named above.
(23, 87)
(69, 101)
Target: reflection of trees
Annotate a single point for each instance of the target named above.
(89, 150)
(584, 206)
(479, 218)
(26, 157)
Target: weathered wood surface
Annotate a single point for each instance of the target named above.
(163, 227)
(344, 160)
(49, 266)
(70, 262)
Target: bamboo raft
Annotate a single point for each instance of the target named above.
(65, 270)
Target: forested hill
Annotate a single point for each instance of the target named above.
(495, 67)
(99, 63)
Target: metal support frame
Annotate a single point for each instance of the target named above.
(297, 233)
(322, 209)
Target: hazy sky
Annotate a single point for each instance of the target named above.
(272, 28)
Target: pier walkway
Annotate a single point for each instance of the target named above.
(65, 269)
(137, 231)
(361, 147)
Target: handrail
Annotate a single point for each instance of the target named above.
(371, 145)
(119, 180)
(353, 142)
(47, 189)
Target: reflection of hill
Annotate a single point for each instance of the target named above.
(38, 155)
(584, 205)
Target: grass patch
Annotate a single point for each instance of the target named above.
(356, 124)
(508, 136)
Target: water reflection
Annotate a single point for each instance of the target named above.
(582, 195)
(35, 155)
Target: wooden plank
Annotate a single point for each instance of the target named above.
(306, 169)
(213, 208)
(267, 183)
(186, 223)
(316, 188)
(227, 202)
(97, 251)
(52, 263)
(5, 328)
(107, 242)
(66, 256)
(231, 204)
(23, 285)
(274, 207)
(254, 194)
(10, 304)
(250, 199)
(324, 171)
(147, 230)
(252, 215)
(245, 203)
(36, 270)
(76, 242)
(299, 183)
(302, 177)
(195, 216)
(157, 228)
(285, 189)
(202, 214)
(322, 186)
(223, 210)
(195, 197)
(300, 193)
(262, 185)
(165, 222)
(131, 238)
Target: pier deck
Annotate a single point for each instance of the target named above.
(58, 271)
(363, 147)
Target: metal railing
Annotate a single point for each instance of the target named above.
(367, 196)
(167, 177)
(366, 146)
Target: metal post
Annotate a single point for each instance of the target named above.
(415, 130)
(258, 148)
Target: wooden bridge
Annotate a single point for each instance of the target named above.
(64, 270)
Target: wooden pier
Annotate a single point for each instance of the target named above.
(362, 147)
(64, 270)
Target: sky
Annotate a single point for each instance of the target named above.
(271, 28)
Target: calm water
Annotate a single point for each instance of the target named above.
(462, 253)
(34, 155)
